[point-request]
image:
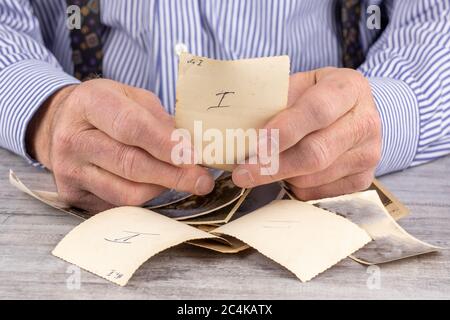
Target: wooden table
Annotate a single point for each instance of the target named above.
(29, 230)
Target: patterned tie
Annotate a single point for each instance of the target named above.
(87, 54)
(350, 15)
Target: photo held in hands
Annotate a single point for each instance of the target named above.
(222, 108)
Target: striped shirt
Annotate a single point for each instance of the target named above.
(407, 64)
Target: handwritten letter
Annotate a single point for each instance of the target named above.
(240, 94)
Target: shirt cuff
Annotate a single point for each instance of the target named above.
(399, 112)
(26, 85)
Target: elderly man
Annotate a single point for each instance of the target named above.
(365, 98)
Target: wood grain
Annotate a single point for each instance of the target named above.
(29, 231)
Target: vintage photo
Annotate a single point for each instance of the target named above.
(390, 241)
(173, 196)
(220, 216)
(224, 193)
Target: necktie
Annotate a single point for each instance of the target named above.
(87, 54)
(350, 15)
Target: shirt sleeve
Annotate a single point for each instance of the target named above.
(29, 73)
(409, 72)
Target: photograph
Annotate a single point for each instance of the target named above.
(173, 196)
(223, 194)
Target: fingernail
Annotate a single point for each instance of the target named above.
(243, 175)
(204, 185)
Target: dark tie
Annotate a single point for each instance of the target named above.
(350, 16)
(86, 43)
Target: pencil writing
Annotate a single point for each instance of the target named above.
(132, 235)
(222, 97)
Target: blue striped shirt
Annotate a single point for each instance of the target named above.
(407, 64)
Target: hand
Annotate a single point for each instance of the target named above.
(329, 138)
(109, 144)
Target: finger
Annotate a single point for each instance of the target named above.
(312, 154)
(318, 107)
(298, 84)
(128, 122)
(116, 190)
(350, 184)
(135, 164)
(83, 200)
(352, 162)
(149, 101)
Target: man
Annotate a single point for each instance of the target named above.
(108, 141)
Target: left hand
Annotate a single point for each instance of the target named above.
(329, 136)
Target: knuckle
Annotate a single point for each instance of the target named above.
(99, 91)
(341, 81)
(370, 158)
(75, 98)
(361, 82)
(375, 155)
(122, 127)
(320, 109)
(361, 131)
(87, 142)
(61, 169)
(317, 153)
(348, 82)
(152, 99)
(128, 158)
(63, 141)
(364, 159)
(372, 125)
(351, 77)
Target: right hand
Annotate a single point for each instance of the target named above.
(109, 144)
